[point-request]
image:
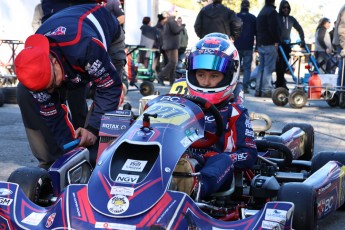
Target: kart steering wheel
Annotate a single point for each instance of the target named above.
(209, 138)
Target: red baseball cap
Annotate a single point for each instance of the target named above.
(32, 64)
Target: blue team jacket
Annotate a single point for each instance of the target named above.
(80, 36)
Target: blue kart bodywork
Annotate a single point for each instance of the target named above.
(129, 186)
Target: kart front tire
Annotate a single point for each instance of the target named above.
(309, 141)
(280, 96)
(304, 198)
(147, 88)
(252, 83)
(35, 182)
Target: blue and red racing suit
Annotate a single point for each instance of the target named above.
(236, 147)
(79, 37)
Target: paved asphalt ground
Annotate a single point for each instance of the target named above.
(328, 124)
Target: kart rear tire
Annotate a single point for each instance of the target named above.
(332, 101)
(35, 182)
(309, 142)
(2, 98)
(280, 96)
(304, 198)
(323, 157)
(147, 88)
(10, 94)
(297, 99)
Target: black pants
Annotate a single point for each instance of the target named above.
(281, 65)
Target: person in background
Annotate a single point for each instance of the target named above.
(37, 18)
(286, 22)
(213, 73)
(115, 7)
(267, 40)
(216, 17)
(183, 44)
(324, 47)
(171, 32)
(148, 39)
(245, 42)
(158, 54)
(58, 58)
(339, 42)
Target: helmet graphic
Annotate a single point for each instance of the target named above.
(214, 52)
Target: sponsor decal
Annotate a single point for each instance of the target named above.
(324, 206)
(50, 220)
(134, 165)
(126, 178)
(5, 201)
(185, 142)
(271, 225)
(121, 190)
(108, 225)
(242, 156)
(34, 218)
(118, 204)
(276, 215)
(322, 189)
(5, 192)
(61, 30)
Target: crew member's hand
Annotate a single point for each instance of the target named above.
(86, 137)
(342, 53)
(328, 51)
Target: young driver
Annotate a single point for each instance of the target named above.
(213, 72)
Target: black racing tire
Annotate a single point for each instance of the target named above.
(10, 95)
(342, 100)
(309, 140)
(147, 88)
(332, 101)
(297, 99)
(280, 96)
(323, 157)
(252, 83)
(304, 198)
(2, 98)
(35, 182)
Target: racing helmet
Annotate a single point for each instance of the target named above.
(216, 52)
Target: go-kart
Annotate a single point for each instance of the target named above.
(130, 186)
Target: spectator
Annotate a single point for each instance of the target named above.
(149, 37)
(323, 46)
(115, 7)
(245, 42)
(267, 40)
(159, 27)
(331, 34)
(205, 2)
(213, 76)
(183, 44)
(286, 22)
(59, 58)
(339, 42)
(171, 32)
(37, 19)
(216, 17)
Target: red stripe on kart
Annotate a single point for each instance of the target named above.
(155, 212)
(105, 184)
(85, 208)
(144, 188)
(80, 26)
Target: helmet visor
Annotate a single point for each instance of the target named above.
(210, 62)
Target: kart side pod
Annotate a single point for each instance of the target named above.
(263, 187)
